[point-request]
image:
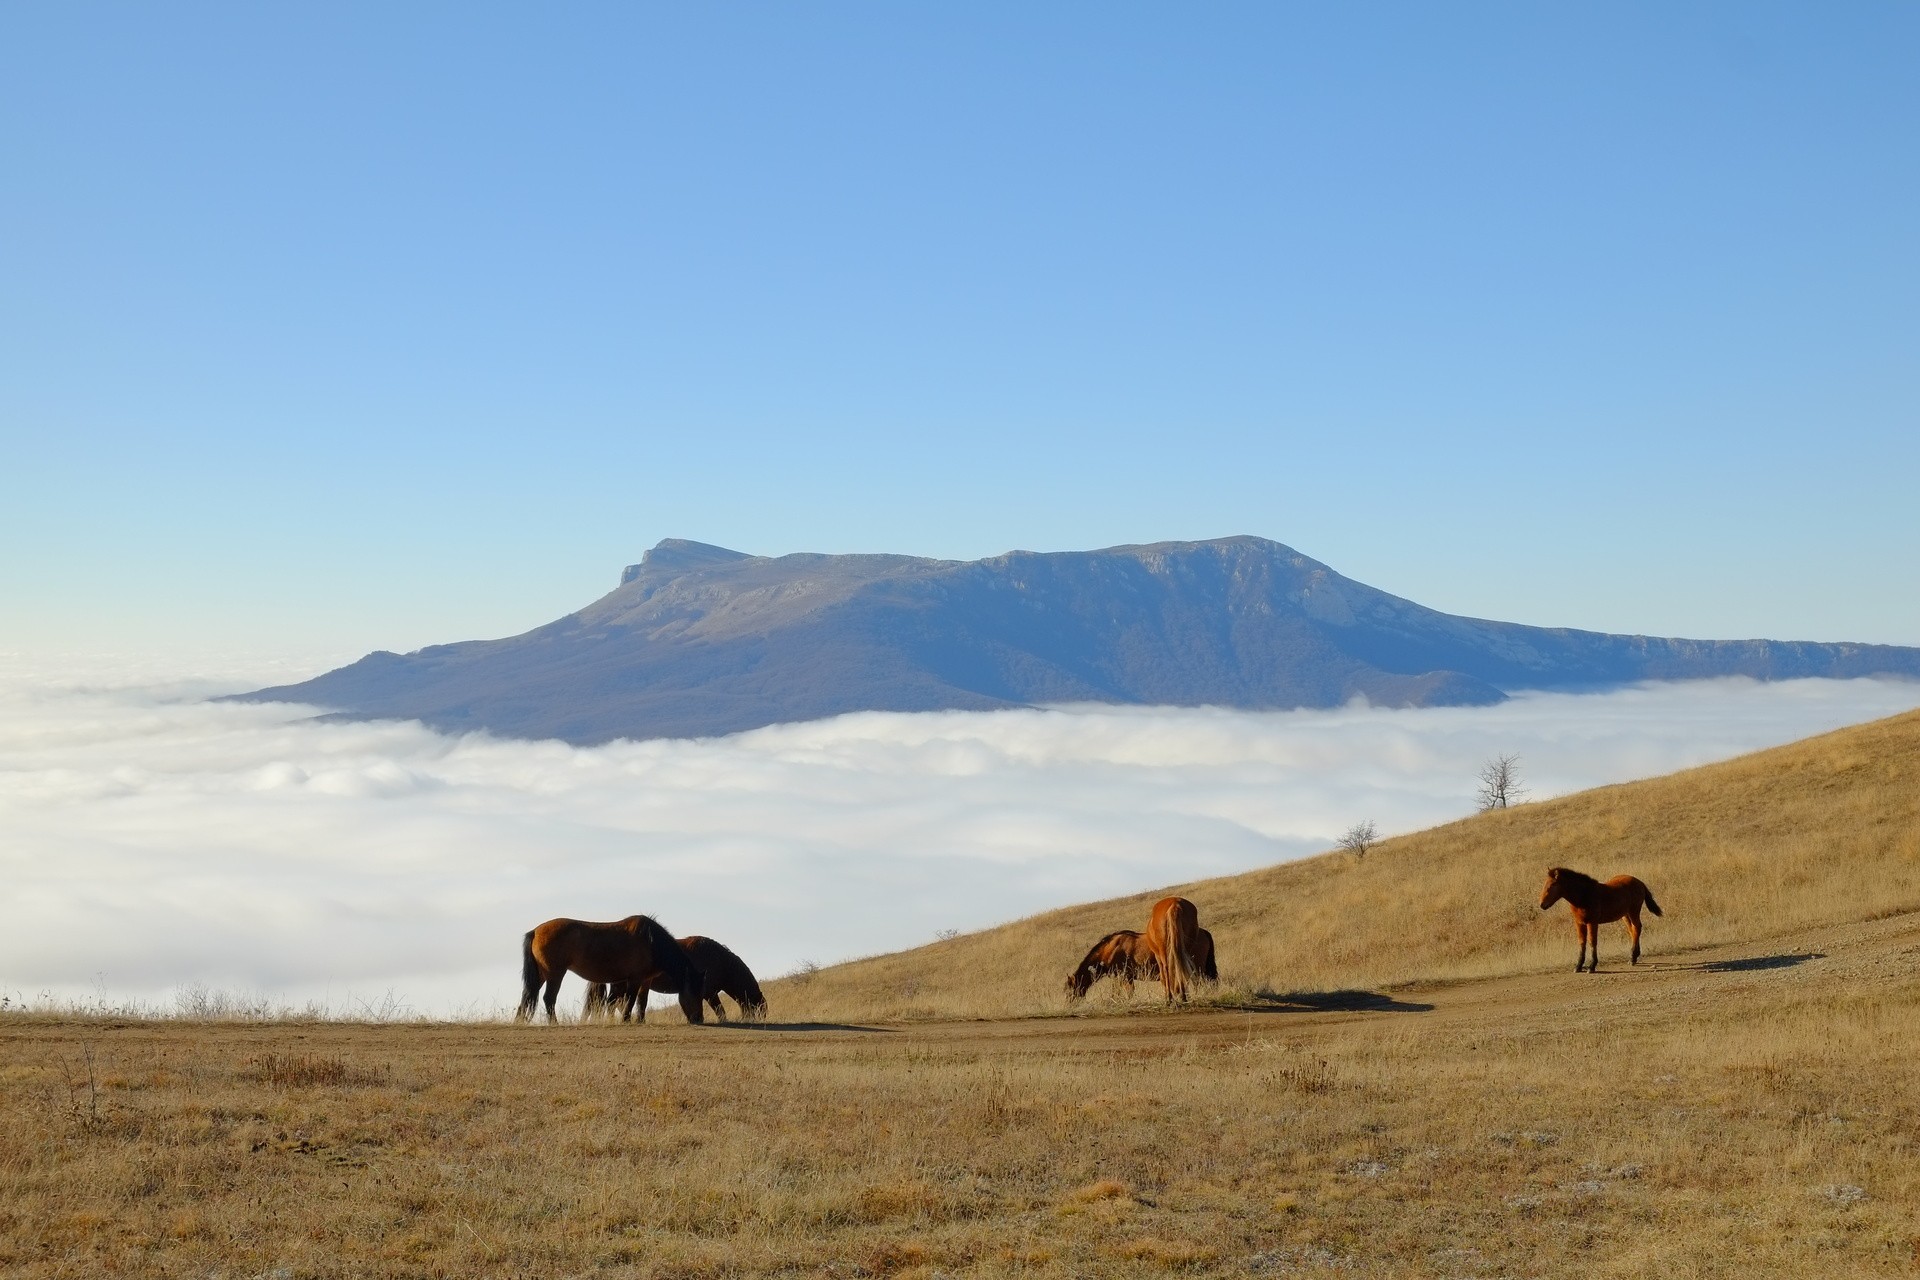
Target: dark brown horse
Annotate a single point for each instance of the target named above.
(1173, 941)
(1595, 904)
(1203, 955)
(635, 951)
(722, 973)
(1124, 956)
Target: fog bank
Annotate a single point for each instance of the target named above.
(150, 840)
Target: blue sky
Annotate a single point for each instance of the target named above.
(354, 327)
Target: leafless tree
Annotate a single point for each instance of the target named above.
(1500, 783)
(1359, 838)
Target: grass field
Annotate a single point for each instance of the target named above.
(1402, 1077)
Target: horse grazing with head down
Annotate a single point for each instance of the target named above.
(636, 951)
(1174, 943)
(1123, 955)
(1595, 904)
(722, 973)
(1203, 955)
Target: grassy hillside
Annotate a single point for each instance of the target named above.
(1812, 833)
(1747, 1108)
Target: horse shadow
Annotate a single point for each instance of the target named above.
(1350, 1001)
(1751, 964)
(741, 1024)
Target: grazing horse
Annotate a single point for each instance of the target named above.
(723, 973)
(635, 950)
(1203, 955)
(1595, 904)
(1173, 941)
(1124, 955)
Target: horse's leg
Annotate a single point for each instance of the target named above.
(1580, 930)
(1593, 947)
(553, 990)
(637, 1002)
(1633, 931)
(719, 1010)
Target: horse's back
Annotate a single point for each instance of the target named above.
(1620, 896)
(1171, 934)
(716, 960)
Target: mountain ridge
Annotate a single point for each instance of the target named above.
(699, 640)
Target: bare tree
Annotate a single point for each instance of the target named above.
(1359, 838)
(1500, 783)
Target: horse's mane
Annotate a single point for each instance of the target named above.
(668, 955)
(1579, 879)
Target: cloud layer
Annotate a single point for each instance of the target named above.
(150, 840)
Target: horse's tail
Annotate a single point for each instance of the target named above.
(530, 979)
(1180, 966)
(1176, 922)
(1651, 904)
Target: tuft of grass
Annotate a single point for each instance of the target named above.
(288, 1071)
(1104, 1189)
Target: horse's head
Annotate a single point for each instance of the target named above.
(1554, 889)
(1080, 981)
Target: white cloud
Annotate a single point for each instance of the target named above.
(149, 840)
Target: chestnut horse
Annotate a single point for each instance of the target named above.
(1595, 904)
(722, 973)
(1173, 942)
(635, 950)
(1124, 955)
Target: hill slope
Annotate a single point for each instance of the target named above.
(1817, 832)
(698, 640)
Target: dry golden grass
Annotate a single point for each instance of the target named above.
(1747, 1107)
(1812, 833)
(1731, 1116)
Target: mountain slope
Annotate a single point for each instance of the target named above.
(699, 640)
(1821, 832)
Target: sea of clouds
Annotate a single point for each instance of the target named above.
(153, 843)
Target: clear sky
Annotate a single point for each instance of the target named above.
(341, 327)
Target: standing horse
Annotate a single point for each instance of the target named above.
(635, 950)
(1595, 904)
(722, 973)
(1172, 940)
(1124, 955)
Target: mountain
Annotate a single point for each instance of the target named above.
(698, 640)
